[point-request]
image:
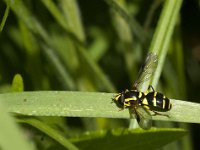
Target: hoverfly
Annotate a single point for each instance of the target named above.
(141, 103)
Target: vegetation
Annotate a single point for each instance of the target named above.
(61, 62)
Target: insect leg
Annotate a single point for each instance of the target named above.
(157, 113)
(151, 87)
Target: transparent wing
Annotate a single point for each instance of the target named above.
(143, 117)
(147, 69)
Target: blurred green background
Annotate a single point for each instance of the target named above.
(96, 46)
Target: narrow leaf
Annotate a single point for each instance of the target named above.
(5, 16)
(17, 83)
(128, 139)
(11, 138)
(87, 104)
(54, 134)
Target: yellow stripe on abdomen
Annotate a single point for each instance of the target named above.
(145, 102)
(163, 103)
(154, 102)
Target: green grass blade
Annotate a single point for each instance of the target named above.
(17, 83)
(67, 53)
(5, 16)
(71, 12)
(130, 20)
(55, 12)
(54, 134)
(87, 104)
(25, 15)
(11, 137)
(70, 19)
(162, 36)
(128, 139)
(178, 51)
(97, 71)
(99, 46)
(34, 25)
(74, 25)
(65, 77)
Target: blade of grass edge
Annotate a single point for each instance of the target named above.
(129, 139)
(5, 16)
(49, 131)
(162, 36)
(10, 133)
(87, 104)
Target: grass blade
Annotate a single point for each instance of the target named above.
(162, 36)
(11, 138)
(128, 139)
(87, 104)
(5, 16)
(54, 134)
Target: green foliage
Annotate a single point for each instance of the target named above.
(87, 104)
(17, 84)
(51, 132)
(128, 139)
(114, 139)
(87, 46)
(11, 136)
(4, 18)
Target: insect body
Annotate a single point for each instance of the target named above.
(141, 104)
(132, 99)
(156, 101)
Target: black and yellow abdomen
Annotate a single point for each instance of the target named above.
(156, 102)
